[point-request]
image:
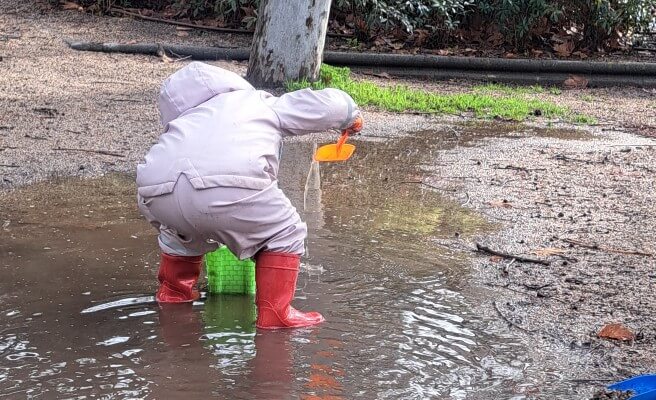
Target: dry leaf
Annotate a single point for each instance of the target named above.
(131, 42)
(564, 49)
(182, 33)
(549, 251)
(575, 82)
(69, 5)
(496, 259)
(382, 75)
(616, 332)
(580, 55)
(501, 203)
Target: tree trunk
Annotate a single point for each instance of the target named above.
(288, 41)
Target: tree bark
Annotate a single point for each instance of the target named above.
(288, 41)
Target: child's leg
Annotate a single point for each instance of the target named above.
(182, 253)
(265, 224)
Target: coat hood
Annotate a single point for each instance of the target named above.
(193, 85)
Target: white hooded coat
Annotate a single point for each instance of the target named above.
(223, 138)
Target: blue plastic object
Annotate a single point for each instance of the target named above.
(643, 387)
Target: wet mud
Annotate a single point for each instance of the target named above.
(412, 311)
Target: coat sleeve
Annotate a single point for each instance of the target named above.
(306, 111)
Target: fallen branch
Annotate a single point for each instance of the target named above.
(484, 249)
(178, 23)
(201, 27)
(511, 323)
(562, 157)
(515, 168)
(607, 249)
(104, 152)
(536, 287)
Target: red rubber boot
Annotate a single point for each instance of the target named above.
(275, 283)
(177, 277)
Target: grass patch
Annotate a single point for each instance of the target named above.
(583, 119)
(510, 104)
(587, 98)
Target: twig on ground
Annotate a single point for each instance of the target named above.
(126, 100)
(104, 152)
(562, 157)
(513, 167)
(9, 165)
(536, 287)
(201, 27)
(607, 249)
(484, 249)
(35, 137)
(511, 323)
(6, 37)
(179, 23)
(590, 380)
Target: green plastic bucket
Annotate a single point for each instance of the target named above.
(226, 274)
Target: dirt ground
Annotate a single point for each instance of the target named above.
(583, 200)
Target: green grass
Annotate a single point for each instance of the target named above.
(507, 103)
(583, 119)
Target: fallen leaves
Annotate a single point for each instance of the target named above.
(575, 82)
(616, 332)
(182, 31)
(564, 49)
(69, 5)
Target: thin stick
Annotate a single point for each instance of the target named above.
(105, 152)
(487, 250)
(201, 27)
(178, 23)
(513, 167)
(9, 165)
(606, 249)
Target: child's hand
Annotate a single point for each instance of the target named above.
(355, 127)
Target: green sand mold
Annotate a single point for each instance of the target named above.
(226, 274)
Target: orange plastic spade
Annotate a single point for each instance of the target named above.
(335, 152)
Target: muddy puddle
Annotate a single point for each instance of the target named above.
(398, 307)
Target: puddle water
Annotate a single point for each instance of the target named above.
(398, 308)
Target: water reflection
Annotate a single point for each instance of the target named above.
(398, 324)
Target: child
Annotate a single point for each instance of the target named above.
(212, 178)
